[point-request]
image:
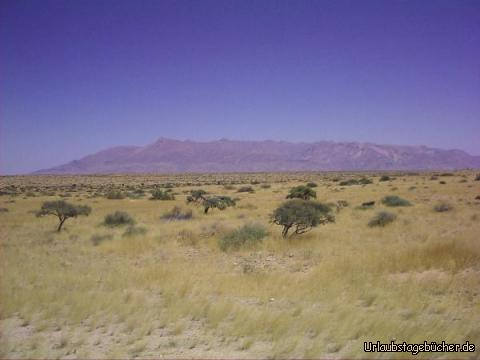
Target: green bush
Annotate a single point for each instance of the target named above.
(394, 200)
(301, 215)
(246, 236)
(382, 218)
(301, 192)
(312, 185)
(361, 181)
(118, 218)
(196, 196)
(385, 178)
(162, 195)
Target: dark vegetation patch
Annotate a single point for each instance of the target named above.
(118, 218)
(443, 207)
(162, 195)
(248, 189)
(394, 201)
(361, 181)
(382, 218)
(177, 213)
(134, 231)
(98, 239)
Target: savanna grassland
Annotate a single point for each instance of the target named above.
(166, 288)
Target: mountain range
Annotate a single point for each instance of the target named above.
(176, 156)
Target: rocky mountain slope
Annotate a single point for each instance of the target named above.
(167, 155)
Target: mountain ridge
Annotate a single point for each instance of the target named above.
(223, 155)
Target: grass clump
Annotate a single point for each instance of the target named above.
(118, 218)
(443, 207)
(177, 213)
(134, 231)
(382, 218)
(98, 239)
(394, 200)
(246, 236)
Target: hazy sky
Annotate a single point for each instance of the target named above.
(79, 76)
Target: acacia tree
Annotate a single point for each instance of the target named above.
(63, 210)
(302, 192)
(301, 215)
(219, 202)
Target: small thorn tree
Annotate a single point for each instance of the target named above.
(219, 202)
(63, 210)
(301, 215)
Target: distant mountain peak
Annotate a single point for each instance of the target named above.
(224, 155)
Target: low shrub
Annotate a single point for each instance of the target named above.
(178, 214)
(118, 218)
(443, 207)
(3, 210)
(394, 200)
(382, 218)
(115, 195)
(385, 178)
(477, 178)
(265, 186)
(162, 195)
(248, 189)
(246, 236)
(312, 184)
(361, 181)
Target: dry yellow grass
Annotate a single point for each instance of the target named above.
(172, 292)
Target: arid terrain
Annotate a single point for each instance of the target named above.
(168, 284)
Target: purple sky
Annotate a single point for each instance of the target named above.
(79, 76)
